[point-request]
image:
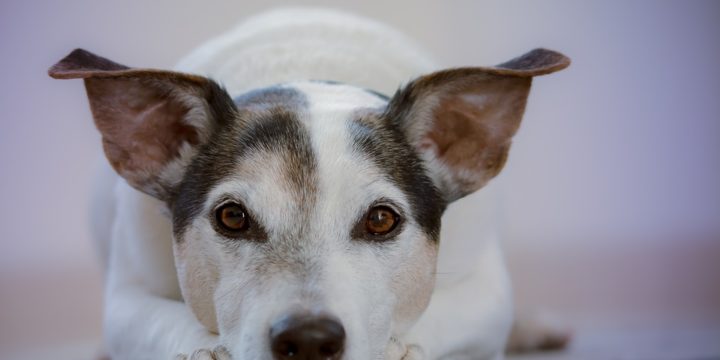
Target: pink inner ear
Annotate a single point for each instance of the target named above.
(142, 127)
(471, 131)
(466, 137)
(458, 139)
(462, 120)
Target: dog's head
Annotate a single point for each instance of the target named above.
(306, 215)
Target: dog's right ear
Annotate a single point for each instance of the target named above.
(151, 121)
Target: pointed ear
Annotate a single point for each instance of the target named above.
(461, 121)
(151, 121)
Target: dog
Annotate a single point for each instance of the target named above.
(294, 211)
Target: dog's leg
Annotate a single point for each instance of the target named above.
(472, 318)
(143, 326)
(144, 316)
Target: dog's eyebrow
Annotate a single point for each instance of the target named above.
(382, 143)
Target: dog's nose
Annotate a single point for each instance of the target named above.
(307, 337)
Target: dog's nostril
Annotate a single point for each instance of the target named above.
(307, 337)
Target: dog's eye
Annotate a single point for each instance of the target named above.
(232, 217)
(381, 220)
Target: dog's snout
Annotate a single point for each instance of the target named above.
(307, 337)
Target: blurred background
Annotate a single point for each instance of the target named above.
(611, 202)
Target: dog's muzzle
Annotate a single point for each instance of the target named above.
(307, 337)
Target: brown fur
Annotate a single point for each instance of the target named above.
(465, 118)
(142, 128)
(141, 113)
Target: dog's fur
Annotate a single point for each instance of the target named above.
(306, 157)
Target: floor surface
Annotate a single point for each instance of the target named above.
(653, 304)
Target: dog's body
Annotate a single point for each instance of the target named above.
(300, 162)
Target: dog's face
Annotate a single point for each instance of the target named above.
(307, 208)
(307, 202)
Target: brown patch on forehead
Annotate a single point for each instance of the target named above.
(268, 121)
(273, 124)
(282, 137)
(384, 144)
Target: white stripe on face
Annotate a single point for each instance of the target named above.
(362, 283)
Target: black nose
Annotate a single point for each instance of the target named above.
(307, 337)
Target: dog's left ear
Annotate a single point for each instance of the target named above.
(461, 121)
(151, 121)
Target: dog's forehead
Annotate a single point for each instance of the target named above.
(324, 95)
(295, 143)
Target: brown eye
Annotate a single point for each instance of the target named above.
(381, 220)
(232, 217)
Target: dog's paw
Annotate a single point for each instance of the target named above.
(398, 350)
(538, 333)
(218, 353)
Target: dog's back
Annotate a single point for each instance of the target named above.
(291, 44)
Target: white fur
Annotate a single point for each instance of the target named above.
(145, 317)
(299, 44)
